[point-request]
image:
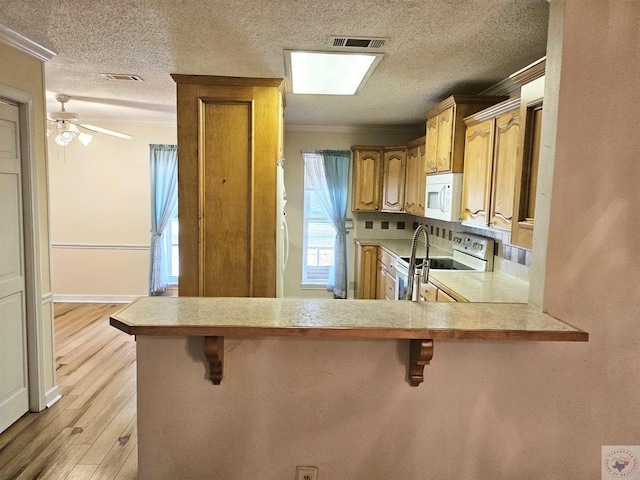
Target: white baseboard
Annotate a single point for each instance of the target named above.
(52, 396)
(69, 298)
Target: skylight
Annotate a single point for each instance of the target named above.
(329, 73)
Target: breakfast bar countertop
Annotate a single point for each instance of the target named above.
(421, 323)
(209, 316)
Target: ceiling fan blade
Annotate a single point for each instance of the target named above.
(93, 128)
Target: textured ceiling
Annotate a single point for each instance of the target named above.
(435, 48)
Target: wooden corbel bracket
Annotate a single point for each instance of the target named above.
(214, 352)
(420, 354)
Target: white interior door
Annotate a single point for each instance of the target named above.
(14, 394)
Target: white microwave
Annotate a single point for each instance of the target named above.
(443, 197)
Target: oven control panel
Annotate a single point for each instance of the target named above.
(474, 245)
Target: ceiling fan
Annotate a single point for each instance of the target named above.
(66, 126)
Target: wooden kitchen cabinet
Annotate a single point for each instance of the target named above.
(366, 271)
(367, 179)
(378, 178)
(229, 140)
(444, 297)
(428, 292)
(476, 190)
(491, 149)
(531, 80)
(386, 278)
(415, 179)
(432, 293)
(445, 129)
(504, 165)
(394, 164)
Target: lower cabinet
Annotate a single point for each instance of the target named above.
(386, 278)
(366, 271)
(431, 293)
(374, 273)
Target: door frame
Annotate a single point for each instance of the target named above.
(33, 289)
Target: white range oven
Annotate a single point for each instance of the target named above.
(471, 253)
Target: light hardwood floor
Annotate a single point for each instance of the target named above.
(90, 433)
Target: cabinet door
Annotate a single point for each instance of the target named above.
(478, 155)
(431, 151)
(414, 167)
(394, 173)
(367, 173)
(445, 138)
(444, 297)
(381, 281)
(428, 292)
(366, 271)
(504, 168)
(422, 183)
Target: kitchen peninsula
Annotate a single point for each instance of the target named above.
(355, 349)
(275, 389)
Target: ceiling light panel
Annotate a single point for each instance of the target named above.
(329, 73)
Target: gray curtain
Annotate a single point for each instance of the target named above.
(328, 172)
(163, 161)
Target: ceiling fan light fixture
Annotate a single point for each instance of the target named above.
(85, 138)
(61, 141)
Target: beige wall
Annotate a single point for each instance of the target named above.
(22, 80)
(100, 213)
(487, 410)
(297, 139)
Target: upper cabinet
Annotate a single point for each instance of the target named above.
(367, 178)
(415, 179)
(379, 178)
(531, 81)
(445, 131)
(491, 150)
(393, 178)
(229, 141)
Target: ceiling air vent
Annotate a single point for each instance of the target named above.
(358, 42)
(122, 76)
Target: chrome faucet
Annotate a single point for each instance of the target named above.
(412, 262)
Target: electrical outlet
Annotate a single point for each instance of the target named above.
(306, 473)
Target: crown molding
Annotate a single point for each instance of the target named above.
(350, 128)
(22, 43)
(530, 72)
(505, 87)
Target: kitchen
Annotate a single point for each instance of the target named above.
(469, 216)
(494, 415)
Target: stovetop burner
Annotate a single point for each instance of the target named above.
(447, 264)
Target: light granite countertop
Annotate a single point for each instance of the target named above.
(230, 316)
(481, 286)
(472, 286)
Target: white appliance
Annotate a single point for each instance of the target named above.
(444, 197)
(471, 253)
(282, 232)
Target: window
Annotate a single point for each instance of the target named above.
(163, 265)
(318, 240)
(171, 237)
